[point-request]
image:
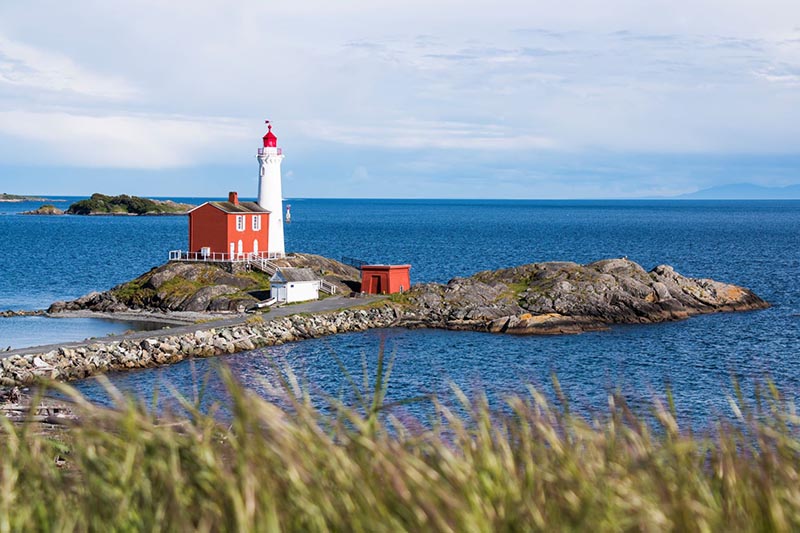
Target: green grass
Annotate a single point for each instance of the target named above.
(179, 288)
(260, 279)
(134, 294)
(530, 467)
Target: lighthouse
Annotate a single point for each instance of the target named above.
(270, 196)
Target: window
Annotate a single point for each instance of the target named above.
(239, 222)
(256, 222)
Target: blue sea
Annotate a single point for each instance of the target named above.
(751, 243)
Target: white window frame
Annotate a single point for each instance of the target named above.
(256, 222)
(239, 222)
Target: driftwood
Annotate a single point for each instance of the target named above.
(47, 414)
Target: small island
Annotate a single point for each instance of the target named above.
(539, 298)
(5, 197)
(46, 209)
(101, 204)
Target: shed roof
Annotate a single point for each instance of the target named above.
(294, 274)
(241, 207)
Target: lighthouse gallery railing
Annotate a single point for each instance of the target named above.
(216, 257)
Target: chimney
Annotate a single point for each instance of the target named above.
(233, 197)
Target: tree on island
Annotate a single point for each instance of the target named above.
(99, 204)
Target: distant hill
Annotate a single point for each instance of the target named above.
(745, 191)
(5, 197)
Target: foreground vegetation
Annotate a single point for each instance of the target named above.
(369, 468)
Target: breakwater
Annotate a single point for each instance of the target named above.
(78, 362)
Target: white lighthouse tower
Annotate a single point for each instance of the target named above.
(270, 196)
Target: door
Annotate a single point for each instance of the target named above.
(255, 246)
(241, 249)
(232, 251)
(376, 285)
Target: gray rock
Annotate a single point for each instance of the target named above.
(200, 300)
(567, 297)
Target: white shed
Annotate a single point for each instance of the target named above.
(294, 285)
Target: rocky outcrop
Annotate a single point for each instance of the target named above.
(10, 313)
(345, 277)
(46, 209)
(569, 298)
(176, 287)
(203, 287)
(556, 297)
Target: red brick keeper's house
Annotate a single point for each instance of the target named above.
(228, 231)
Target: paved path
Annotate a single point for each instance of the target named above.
(333, 303)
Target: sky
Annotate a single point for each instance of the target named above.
(419, 99)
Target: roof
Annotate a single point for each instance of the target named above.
(385, 267)
(270, 140)
(295, 274)
(242, 207)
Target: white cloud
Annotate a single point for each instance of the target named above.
(428, 135)
(32, 68)
(779, 76)
(130, 84)
(122, 141)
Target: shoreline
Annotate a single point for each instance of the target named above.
(153, 348)
(146, 349)
(173, 318)
(535, 299)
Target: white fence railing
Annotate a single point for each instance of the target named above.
(216, 257)
(327, 287)
(263, 264)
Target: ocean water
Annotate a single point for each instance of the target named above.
(754, 244)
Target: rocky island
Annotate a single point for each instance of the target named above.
(46, 209)
(539, 298)
(5, 197)
(100, 204)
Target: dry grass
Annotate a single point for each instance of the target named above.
(294, 467)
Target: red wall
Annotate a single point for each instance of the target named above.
(385, 279)
(209, 226)
(248, 235)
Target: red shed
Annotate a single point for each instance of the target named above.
(228, 230)
(385, 279)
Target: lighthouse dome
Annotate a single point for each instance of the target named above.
(270, 140)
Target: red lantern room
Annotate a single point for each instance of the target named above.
(270, 141)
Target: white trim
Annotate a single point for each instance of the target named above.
(201, 205)
(211, 203)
